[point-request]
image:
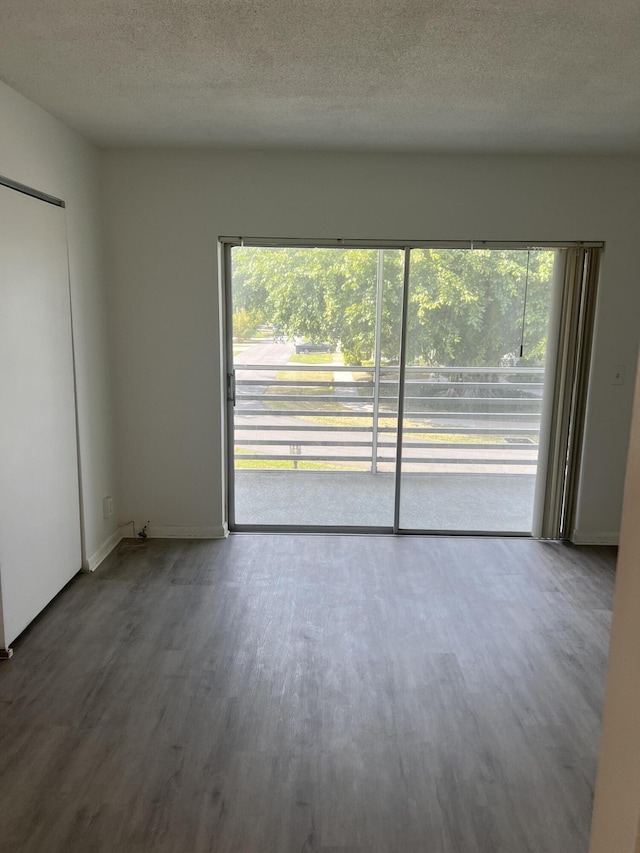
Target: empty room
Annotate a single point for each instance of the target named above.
(319, 466)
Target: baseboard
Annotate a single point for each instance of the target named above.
(597, 538)
(153, 532)
(92, 563)
(159, 531)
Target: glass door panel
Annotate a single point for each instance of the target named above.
(316, 342)
(475, 353)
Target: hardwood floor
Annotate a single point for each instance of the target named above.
(311, 694)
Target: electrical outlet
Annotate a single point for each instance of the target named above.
(618, 375)
(107, 507)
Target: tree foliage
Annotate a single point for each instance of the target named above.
(245, 324)
(465, 306)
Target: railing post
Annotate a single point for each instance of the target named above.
(376, 362)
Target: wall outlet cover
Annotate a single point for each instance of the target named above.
(107, 507)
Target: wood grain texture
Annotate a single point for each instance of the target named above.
(311, 694)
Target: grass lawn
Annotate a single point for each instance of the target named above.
(366, 420)
(286, 464)
(318, 406)
(315, 358)
(304, 391)
(333, 410)
(302, 376)
(454, 438)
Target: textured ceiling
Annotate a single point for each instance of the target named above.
(527, 75)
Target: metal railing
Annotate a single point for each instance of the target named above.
(466, 418)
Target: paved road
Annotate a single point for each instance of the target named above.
(264, 353)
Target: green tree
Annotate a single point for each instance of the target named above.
(465, 306)
(245, 324)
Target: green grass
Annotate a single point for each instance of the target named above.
(286, 464)
(454, 438)
(304, 391)
(315, 406)
(364, 420)
(302, 376)
(313, 358)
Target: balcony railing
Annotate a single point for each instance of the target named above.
(469, 418)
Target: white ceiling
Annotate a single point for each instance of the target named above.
(463, 75)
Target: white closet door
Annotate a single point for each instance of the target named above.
(39, 495)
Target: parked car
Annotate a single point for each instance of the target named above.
(308, 346)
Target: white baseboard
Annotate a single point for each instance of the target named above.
(92, 562)
(594, 538)
(159, 531)
(153, 532)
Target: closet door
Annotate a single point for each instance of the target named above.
(39, 494)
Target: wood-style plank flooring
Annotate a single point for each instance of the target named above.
(311, 694)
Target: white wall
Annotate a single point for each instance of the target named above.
(37, 150)
(165, 209)
(617, 800)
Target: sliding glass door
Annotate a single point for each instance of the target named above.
(315, 350)
(476, 341)
(330, 348)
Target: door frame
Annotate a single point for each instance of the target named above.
(572, 345)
